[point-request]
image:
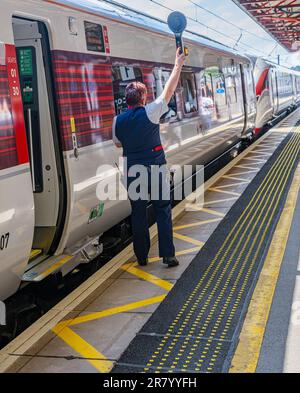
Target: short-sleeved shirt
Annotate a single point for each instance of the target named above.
(155, 110)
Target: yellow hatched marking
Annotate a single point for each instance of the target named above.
(116, 310)
(53, 268)
(224, 192)
(248, 351)
(197, 224)
(232, 178)
(246, 173)
(234, 184)
(209, 211)
(188, 239)
(247, 167)
(220, 201)
(149, 278)
(84, 349)
(255, 160)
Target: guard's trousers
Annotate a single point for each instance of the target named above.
(163, 211)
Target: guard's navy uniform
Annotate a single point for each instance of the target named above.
(138, 131)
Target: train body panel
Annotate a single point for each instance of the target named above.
(277, 91)
(74, 64)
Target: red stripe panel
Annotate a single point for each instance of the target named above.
(8, 151)
(85, 93)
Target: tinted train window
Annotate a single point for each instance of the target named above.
(161, 78)
(94, 37)
(213, 100)
(298, 84)
(122, 76)
(189, 93)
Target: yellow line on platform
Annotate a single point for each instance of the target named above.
(235, 184)
(209, 211)
(220, 201)
(197, 224)
(248, 351)
(115, 310)
(232, 177)
(149, 277)
(188, 239)
(215, 189)
(246, 166)
(85, 350)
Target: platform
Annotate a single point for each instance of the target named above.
(223, 309)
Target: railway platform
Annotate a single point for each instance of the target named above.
(233, 304)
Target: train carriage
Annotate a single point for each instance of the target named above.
(63, 71)
(277, 91)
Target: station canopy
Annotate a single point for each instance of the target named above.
(280, 18)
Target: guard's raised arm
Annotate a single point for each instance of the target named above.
(173, 81)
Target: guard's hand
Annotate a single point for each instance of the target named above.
(180, 58)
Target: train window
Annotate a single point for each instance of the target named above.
(94, 37)
(189, 93)
(122, 75)
(161, 77)
(214, 108)
(298, 84)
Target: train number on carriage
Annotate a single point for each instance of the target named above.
(4, 239)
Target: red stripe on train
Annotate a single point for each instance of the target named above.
(16, 104)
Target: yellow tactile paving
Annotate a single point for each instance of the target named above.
(247, 354)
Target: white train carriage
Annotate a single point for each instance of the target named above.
(277, 90)
(64, 67)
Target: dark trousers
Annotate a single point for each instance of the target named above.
(163, 213)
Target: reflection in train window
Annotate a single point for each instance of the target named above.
(189, 93)
(298, 84)
(122, 76)
(213, 100)
(161, 78)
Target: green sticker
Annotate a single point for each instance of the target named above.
(96, 212)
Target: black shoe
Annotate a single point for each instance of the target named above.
(143, 262)
(171, 262)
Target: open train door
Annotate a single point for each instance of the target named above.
(32, 47)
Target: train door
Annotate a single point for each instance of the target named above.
(42, 143)
(274, 90)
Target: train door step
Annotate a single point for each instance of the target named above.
(38, 272)
(34, 254)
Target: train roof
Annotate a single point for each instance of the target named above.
(126, 14)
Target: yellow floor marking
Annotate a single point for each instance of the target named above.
(116, 310)
(232, 178)
(197, 224)
(234, 184)
(245, 173)
(220, 201)
(224, 192)
(255, 160)
(209, 211)
(248, 351)
(85, 350)
(35, 253)
(247, 167)
(53, 268)
(149, 278)
(188, 239)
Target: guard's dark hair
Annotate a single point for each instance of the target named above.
(135, 93)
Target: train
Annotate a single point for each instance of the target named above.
(64, 66)
(277, 91)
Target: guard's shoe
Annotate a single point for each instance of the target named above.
(171, 262)
(143, 262)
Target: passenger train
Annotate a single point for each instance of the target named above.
(64, 66)
(277, 91)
